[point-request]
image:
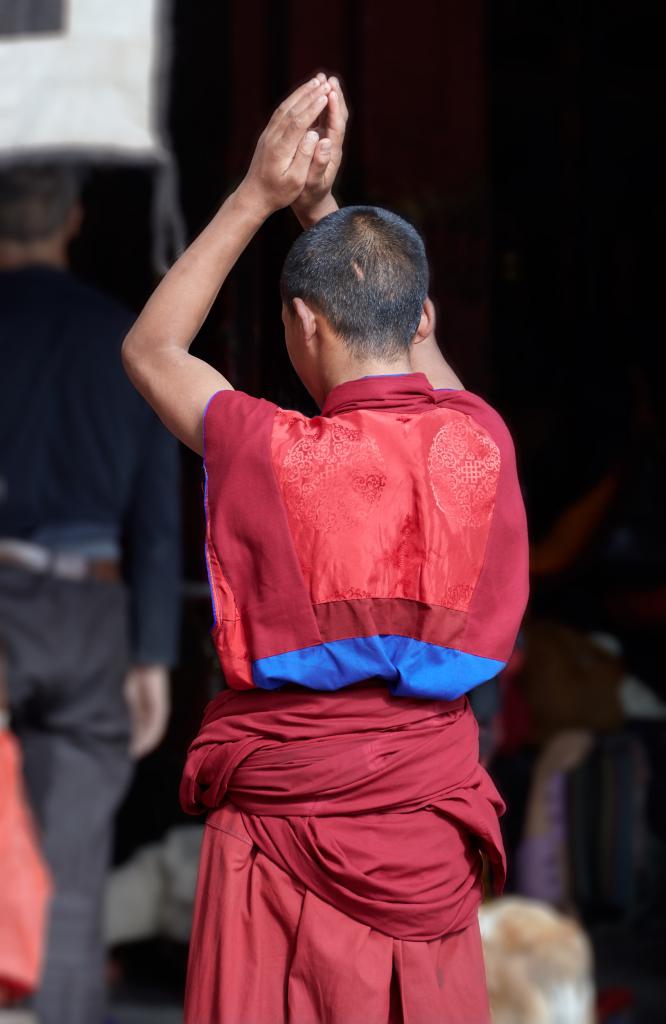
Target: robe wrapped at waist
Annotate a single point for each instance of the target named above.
(379, 806)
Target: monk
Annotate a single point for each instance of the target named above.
(368, 567)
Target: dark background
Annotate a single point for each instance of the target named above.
(524, 139)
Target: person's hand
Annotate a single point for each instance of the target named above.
(281, 162)
(316, 200)
(148, 700)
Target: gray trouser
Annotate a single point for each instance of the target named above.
(66, 649)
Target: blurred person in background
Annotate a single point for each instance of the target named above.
(89, 566)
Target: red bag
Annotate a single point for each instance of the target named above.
(25, 885)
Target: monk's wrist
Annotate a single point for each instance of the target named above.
(251, 202)
(309, 213)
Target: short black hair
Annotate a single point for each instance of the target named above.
(366, 270)
(35, 200)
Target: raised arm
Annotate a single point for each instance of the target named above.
(156, 351)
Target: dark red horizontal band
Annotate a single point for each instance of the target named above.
(393, 616)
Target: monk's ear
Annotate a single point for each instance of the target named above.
(306, 319)
(426, 324)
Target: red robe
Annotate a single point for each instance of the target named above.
(375, 552)
(343, 857)
(384, 539)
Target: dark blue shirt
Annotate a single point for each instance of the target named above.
(84, 462)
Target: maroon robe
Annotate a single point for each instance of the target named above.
(349, 816)
(342, 867)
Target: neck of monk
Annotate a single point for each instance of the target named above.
(353, 369)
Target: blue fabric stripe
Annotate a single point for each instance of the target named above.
(412, 668)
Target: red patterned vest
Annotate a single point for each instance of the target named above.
(384, 539)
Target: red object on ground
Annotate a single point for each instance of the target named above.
(25, 885)
(265, 949)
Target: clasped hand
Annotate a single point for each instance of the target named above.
(299, 152)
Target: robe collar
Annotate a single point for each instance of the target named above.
(392, 391)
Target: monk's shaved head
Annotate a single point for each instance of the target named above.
(366, 270)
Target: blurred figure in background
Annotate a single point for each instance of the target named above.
(89, 566)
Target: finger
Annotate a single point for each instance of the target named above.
(321, 159)
(322, 153)
(144, 743)
(323, 89)
(300, 165)
(323, 167)
(138, 746)
(152, 736)
(137, 733)
(321, 123)
(137, 721)
(150, 731)
(133, 699)
(336, 120)
(334, 82)
(322, 78)
(303, 97)
(295, 97)
(293, 127)
(289, 129)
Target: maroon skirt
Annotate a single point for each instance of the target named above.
(266, 950)
(342, 867)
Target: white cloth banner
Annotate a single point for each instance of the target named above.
(85, 84)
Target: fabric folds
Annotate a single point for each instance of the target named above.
(378, 806)
(265, 950)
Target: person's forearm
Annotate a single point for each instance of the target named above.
(178, 307)
(155, 353)
(308, 216)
